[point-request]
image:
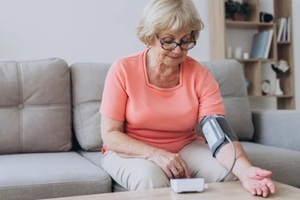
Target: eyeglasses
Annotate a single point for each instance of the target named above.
(170, 45)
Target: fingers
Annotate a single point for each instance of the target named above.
(271, 186)
(264, 173)
(252, 191)
(258, 173)
(178, 167)
(183, 168)
(172, 164)
(176, 173)
(181, 172)
(265, 191)
(262, 188)
(168, 173)
(262, 191)
(258, 191)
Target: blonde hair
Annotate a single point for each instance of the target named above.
(173, 15)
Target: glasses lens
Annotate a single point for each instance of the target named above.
(187, 45)
(168, 45)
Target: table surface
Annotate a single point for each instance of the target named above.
(223, 191)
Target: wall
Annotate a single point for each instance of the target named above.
(91, 30)
(77, 30)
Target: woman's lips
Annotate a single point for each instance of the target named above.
(175, 57)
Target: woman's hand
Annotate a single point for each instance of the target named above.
(172, 164)
(114, 138)
(258, 181)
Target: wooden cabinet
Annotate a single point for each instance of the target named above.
(221, 29)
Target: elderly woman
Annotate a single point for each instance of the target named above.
(152, 101)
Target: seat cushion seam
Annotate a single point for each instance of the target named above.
(21, 100)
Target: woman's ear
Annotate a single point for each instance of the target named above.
(150, 41)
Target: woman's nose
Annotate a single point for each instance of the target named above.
(177, 49)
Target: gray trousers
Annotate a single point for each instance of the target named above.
(139, 173)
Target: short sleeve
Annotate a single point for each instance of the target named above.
(114, 96)
(209, 96)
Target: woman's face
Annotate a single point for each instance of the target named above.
(167, 52)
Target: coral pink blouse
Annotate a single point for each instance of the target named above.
(162, 117)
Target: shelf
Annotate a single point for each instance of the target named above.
(284, 43)
(247, 24)
(255, 70)
(271, 96)
(255, 60)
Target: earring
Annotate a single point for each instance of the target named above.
(148, 46)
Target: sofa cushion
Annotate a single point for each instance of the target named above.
(283, 163)
(87, 87)
(96, 158)
(229, 75)
(35, 106)
(50, 175)
(278, 128)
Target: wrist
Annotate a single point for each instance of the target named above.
(241, 168)
(152, 153)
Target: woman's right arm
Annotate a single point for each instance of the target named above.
(113, 136)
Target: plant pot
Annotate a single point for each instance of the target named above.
(237, 17)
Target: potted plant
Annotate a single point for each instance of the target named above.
(245, 9)
(229, 9)
(236, 10)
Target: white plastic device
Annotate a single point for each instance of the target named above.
(188, 185)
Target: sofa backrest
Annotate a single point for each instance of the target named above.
(87, 87)
(230, 76)
(35, 106)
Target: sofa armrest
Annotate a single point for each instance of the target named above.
(280, 128)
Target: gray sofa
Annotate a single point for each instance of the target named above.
(50, 138)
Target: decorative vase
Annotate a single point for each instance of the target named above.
(238, 53)
(278, 90)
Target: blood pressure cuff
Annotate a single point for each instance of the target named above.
(214, 128)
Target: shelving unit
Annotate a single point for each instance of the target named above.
(219, 27)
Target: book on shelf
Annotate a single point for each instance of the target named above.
(283, 29)
(261, 44)
(280, 25)
(288, 29)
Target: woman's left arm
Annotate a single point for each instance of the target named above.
(256, 180)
